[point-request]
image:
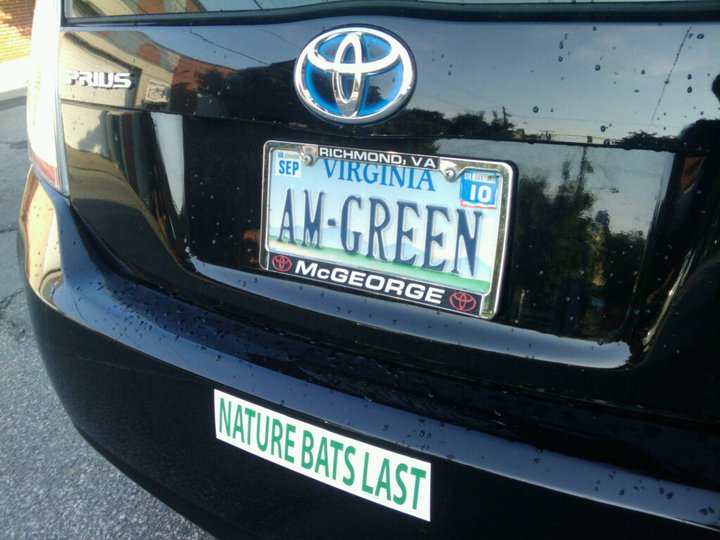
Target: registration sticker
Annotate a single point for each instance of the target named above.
(423, 229)
(387, 478)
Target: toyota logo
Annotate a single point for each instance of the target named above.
(462, 301)
(354, 75)
(281, 263)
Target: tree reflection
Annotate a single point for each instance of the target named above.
(651, 141)
(424, 123)
(572, 276)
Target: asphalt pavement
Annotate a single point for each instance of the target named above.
(52, 483)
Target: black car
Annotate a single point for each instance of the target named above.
(385, 269)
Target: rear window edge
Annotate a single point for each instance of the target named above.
(661, 11)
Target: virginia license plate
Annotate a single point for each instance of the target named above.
(423, 229)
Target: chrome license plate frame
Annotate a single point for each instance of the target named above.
(422, 229)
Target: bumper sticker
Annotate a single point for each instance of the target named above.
(387, 478)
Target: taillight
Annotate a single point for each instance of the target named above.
(43, 109)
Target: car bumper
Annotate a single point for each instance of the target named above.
(136, 370)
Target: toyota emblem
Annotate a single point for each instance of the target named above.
(354, 75)
(462, 301)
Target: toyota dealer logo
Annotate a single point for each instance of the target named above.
(354, 75)
(281, 263)
(463, 301)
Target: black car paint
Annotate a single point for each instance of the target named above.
(634, 384)
(135, 370)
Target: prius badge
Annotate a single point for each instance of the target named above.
(354, 75)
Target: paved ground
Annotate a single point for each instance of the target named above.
(52, 484)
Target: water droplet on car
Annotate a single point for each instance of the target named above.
(594, 28)
(536, 109)
(597, 67)
(700, 36)
(636, 91)
(689, 77)
(689, 89)
(560, 58)
(602, 128)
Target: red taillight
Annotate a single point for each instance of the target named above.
(43, 110)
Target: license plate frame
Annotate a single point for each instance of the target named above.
(340, 182)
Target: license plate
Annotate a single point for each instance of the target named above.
(423, 229)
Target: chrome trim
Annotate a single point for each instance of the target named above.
(350, 105)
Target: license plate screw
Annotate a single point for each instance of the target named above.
(308, 159)
(450, 174)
